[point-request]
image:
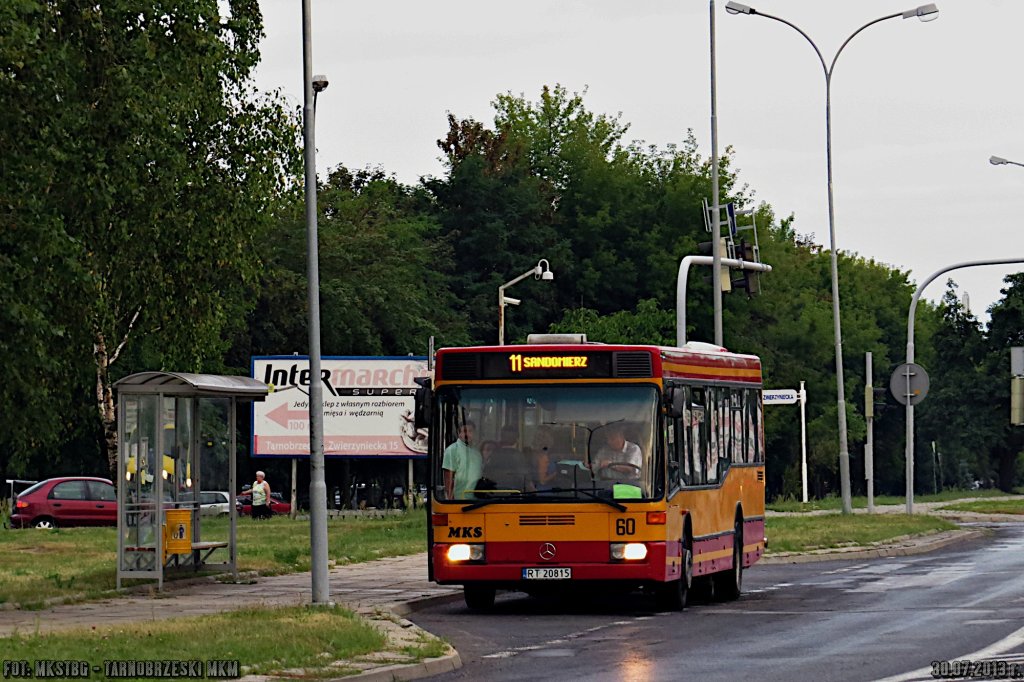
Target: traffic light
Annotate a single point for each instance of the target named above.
(749, 280)
(707, 249)
(877, 401)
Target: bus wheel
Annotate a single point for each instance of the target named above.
(479, 597)
(729, 584)
(672, 596)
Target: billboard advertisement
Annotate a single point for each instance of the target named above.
(368, 406)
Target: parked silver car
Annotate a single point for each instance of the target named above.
(214, 503)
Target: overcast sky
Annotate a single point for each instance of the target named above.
(917, 108)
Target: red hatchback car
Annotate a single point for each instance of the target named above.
(67, 501)
(243, 503)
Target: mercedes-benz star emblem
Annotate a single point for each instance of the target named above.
(547, 551)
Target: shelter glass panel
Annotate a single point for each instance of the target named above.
(140, 473)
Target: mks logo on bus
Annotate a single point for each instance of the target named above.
(466, 532)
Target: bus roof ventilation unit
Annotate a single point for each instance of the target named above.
(632, 365)
(702, 347)
(461, 366)
(565, 339)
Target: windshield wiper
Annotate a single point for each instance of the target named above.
(590, 493)
(504, 497)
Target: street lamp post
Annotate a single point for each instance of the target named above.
(716, 211)
(999, 161)
(540, 271)
(924, 13)
(317, 485)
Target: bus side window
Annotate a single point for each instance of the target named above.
(750, 405)
(725, 427)
(673, 451)
(714, 440)
(738, 424)
(757, 429)
(683, 442)
(697, 444)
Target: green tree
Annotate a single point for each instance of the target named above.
(1005, 330)
(140, 160)
(959, 413)
(498, 218)
(648, 324)
(384, 273)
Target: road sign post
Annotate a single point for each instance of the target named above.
(909, 385)
(789, 396)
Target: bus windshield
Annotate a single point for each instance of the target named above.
(552, 442)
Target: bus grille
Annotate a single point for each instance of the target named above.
(760, 475)
(631, 365)
(547, 520)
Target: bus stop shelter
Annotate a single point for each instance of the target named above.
(173, 431)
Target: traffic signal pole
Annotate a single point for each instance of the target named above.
(683, 276)
(910, 359)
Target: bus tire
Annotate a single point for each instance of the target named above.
(478, 597)
(672, 596)
(729, 584)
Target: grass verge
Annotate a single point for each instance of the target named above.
(988, 507)
(825, 531)
(835, 503)
(318, 641)
(76, 563)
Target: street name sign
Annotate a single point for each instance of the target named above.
(780, 396)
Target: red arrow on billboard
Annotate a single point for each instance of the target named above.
(282, 415)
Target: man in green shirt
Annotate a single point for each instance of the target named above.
(462, 465)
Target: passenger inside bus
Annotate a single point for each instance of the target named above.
(507, 466)
(544, 461)
(462, 464)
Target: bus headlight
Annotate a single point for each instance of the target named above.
(457, 553)
(629, 551)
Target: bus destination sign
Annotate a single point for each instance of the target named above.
(562, 365)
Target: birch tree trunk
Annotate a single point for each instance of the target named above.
(105, 402)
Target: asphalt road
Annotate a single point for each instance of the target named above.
(848, 620)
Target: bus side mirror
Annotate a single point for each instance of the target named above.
(674, 397)
(424, 404)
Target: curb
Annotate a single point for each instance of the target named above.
(405, 608)
(923, 545)
(411, 671)
(395, 672)
(450, 662)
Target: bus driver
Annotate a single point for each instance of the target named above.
(619, 458)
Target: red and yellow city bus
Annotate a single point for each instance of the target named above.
(560, 464)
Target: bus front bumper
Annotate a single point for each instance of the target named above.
(504, 563)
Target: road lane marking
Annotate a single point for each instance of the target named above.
(564, 639)
(1011, 641)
